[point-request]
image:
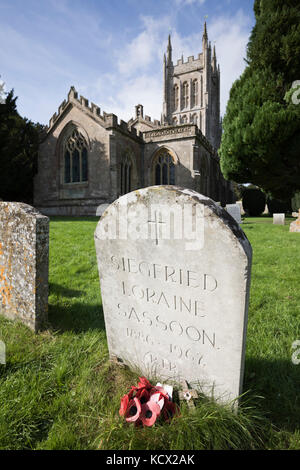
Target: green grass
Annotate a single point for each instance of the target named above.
(59, 391)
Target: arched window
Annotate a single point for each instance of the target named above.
(176, 97)
(195, 119)
(126, 174)
(185, 93)
(184, 119)
(75, 158)
(195, 92)
(201, 91)
(175, 121)
(164, 169)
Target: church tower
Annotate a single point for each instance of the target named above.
(191, 92)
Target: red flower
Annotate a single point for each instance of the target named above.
(169, 410)
(143, 395)
(158, 398)
(124, 405)
(144, 383)
(150, 411)
(133, 410)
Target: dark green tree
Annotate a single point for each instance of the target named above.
(19, 140)
(261, 138)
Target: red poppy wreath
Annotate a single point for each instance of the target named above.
(144, 404)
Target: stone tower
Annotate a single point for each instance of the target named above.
(191, 92)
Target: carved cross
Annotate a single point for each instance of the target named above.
(188, 394)
(156, 222)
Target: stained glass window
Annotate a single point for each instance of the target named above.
(76, 158)
(126, 174)
(164, 169)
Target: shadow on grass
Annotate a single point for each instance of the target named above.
(77, 317)
(63, 218)
(62, 291)
(278, 381)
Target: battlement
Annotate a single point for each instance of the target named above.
(189, 65)
(106, 119)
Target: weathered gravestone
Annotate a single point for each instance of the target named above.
(174, 273)
(295, 226)
(278, 219)
(24, 248)
(235, 211)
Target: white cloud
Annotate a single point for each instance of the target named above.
(188, 2)
(130, 74)
(140, 63)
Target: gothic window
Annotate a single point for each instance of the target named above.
(75, 158)
(184, 119)
(126, 174)
(185, 93)
(176, 97)
(175, 121)
(201, 91)
(164, 169)
(195, 119)
(195, 92)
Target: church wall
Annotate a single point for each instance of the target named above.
(126, 145)
(73, 198)
(182, 153)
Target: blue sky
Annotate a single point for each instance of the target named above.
(112, 50)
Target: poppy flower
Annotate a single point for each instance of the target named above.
(159, 399)
(150, 411)
(133, 410)
(169, 410)
(124, 405)
(144, 383)
(143, 395)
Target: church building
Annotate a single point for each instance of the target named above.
(89, 157)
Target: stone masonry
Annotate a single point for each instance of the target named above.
(24, 248)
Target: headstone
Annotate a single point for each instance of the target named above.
(295, 226)
(240, 203)
(278, 219)
(174, 273)
(24, 248)
(235, 212)
(101, 208)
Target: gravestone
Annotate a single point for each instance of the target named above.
(235, 212)
(174, 273)
(101, 208)
(240, 204)
(278, 219)
(295, 226)
(24, 248)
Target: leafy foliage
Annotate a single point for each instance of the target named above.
(254, 202)
(19, 139)
(261, 138)
(278, 207)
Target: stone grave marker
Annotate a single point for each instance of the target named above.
(24, 251)
(278, 219)
(240, 204)
(235, 212)
(174, 273)
(295, 226)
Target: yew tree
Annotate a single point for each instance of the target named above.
(261, 128)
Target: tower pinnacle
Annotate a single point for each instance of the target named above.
(169, 50)
(205, 37)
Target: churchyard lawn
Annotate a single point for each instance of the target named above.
(59, 391)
